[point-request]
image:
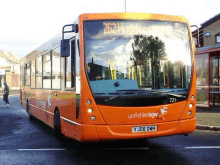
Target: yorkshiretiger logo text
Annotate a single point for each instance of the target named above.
(160, 114)
(139, 115)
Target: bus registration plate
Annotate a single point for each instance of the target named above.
(144, 129)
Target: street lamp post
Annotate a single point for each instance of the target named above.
(125, 5)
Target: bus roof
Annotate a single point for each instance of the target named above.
(134, 16)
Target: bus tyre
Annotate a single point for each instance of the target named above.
(28, 112)
(57, 127)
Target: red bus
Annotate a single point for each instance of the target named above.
(114, 76)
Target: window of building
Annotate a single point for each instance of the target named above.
(56, 68)
(47, 71)
(217, 38)
(33, 73)
(39, 72)
(27, 74)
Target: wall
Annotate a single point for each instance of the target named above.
(214, 29)
(13, 80)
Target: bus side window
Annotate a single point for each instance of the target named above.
(21, 75)
(47, 70)
(56, 68)
(27, 74)
(33, 70)
(24, 73)
(39, 72)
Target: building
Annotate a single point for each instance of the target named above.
(9, 70)
(208, 63)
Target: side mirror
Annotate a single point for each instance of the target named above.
(65, 48)
(65, 43)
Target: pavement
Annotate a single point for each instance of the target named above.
(207, 118)
(11, 92)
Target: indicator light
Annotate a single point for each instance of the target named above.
(90, 110)
(88, 102)
(190, 105)
(92, 118)
(189, 113)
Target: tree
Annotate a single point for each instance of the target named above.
(147, 48)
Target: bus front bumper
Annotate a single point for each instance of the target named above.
(94, 133)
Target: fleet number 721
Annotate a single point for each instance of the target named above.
(172, 100)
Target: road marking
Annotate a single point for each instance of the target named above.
(145, 148)
(43, 149)
(202, 147)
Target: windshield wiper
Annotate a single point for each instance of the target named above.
(114, 97)
(177, 95)
(168, 93)
(128, 91)
(141, 91)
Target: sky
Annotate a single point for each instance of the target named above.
(27, 24)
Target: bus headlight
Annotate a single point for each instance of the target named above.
(89, 110)
(190, 105)
(88, 102)
(189, 113)
(192, 97)
(92, 118)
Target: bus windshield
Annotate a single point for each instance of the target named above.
(137, 63)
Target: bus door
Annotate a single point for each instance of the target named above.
(71, 99)
(75, 75)
(69, 111)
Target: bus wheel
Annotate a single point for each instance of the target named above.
(28, 112)
(57, 127)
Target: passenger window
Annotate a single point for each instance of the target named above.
(47, 71)
(39, 72)
(56, 68)
(33, 73)
(28, 74)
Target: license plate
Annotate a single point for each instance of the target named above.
(144, 129)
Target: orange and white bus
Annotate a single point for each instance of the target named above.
(114, 76)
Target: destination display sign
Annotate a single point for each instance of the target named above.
(123, 28)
